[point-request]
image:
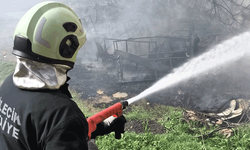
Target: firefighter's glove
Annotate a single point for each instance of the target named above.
(111, 124)
(92, 145)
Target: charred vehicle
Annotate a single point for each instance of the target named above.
(147, 58)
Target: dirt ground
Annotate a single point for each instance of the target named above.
(142, 127)
(100, 86)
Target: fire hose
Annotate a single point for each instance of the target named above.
(114, 110)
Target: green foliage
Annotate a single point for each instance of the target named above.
(179, 134)
(143, 111)
(147, 141)
(178, 137)
(6, 68)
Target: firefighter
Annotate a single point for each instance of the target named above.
(36, 110)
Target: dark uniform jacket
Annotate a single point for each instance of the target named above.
(40, 120)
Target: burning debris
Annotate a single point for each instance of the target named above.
(232, 112)
(232, 116)
(235, 113)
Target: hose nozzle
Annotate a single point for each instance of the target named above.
(124, 104)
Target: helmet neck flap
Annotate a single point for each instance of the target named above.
(34, 75)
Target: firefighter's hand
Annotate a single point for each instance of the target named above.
(111, 124)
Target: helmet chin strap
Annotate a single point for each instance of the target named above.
(35, 75)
